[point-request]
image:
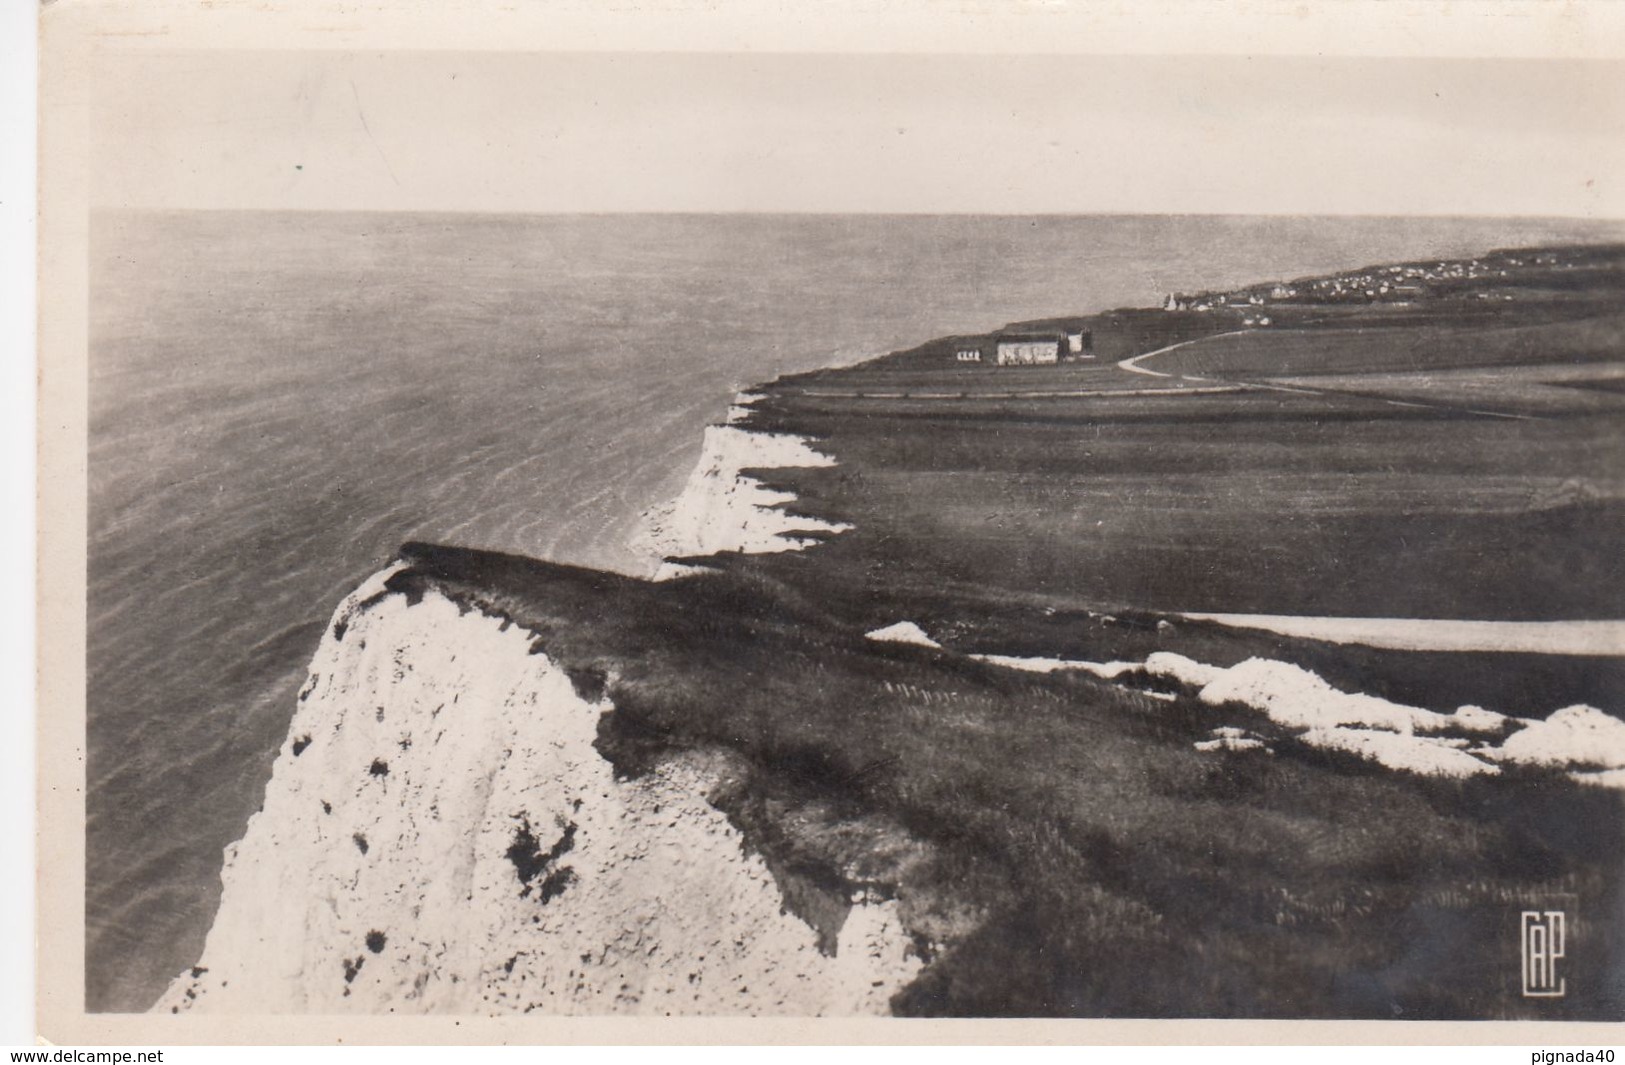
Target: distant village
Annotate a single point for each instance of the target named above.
(1397, 285)
(1493, 279)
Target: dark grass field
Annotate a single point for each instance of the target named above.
(1256, 503)
(1056, 844)
(1457, 467)
(1350, 347)
(968, 618)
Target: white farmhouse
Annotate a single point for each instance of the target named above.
(1029, 349)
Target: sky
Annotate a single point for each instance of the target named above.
(598, 132)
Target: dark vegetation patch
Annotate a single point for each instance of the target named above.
(360, 842)
(589, 682)
(379, 768)
(554, 883)
(1046, 835)
(821, 853)
(530, 860)
(370, 602)
(300, 743)
(352, 967)
(376, 941)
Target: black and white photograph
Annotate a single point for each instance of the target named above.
(641, 532)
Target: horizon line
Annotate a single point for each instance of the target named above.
(814, 213)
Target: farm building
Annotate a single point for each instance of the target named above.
(1029, 349)
(964, 353)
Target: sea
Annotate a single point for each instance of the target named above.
(279, 400)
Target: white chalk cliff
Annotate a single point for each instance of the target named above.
(721, 508)
(440, 834)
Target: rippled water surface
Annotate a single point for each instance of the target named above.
(279, 400)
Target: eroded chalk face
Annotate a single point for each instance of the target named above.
(440, 834)
(722, 508)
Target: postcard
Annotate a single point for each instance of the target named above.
(705, 522)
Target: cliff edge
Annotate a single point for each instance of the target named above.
(440, 834)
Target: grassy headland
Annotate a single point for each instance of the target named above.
(1057, 845)
(1446, 445)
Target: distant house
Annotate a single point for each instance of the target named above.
(965, 354)
(1080, 343)
(1029, 349)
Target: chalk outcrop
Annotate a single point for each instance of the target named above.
(1575, 735)
(1583, 740)
(722, 508)
(1029, 664)
(440, 834)
(903, 632)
